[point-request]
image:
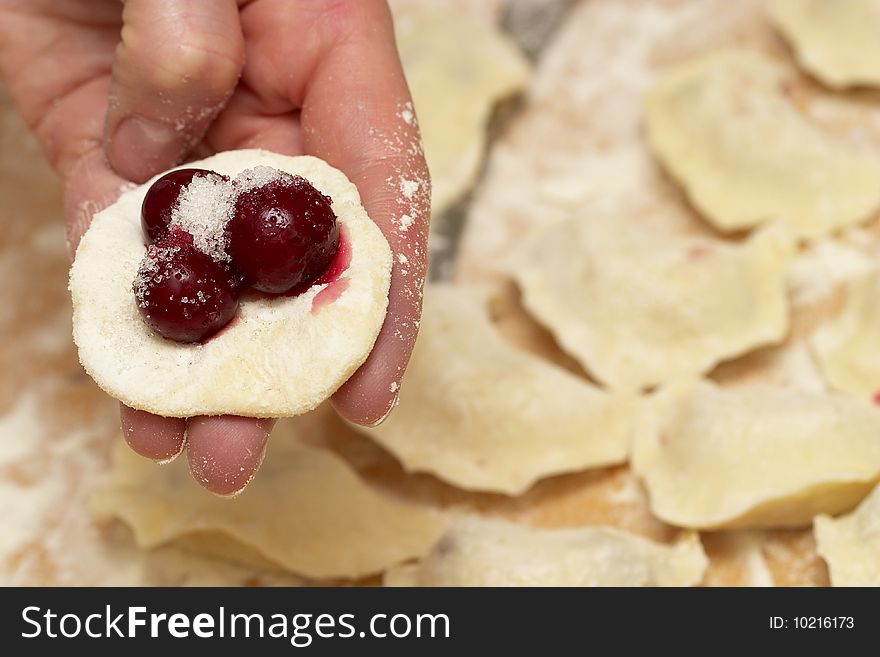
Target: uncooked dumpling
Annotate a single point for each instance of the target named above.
(639, 307)
(307, 512)
(837, 40)
(476, 552)
(847, 345)
(281, 356)
(457, 69)
(725, 129)
(754, 456)
(483, 415)
(851, 544)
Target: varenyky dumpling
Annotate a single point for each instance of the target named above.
(307, 512)
(483, 415)
(637, 308)
(754, 456)
(850, 545)
(457, 69)
(848, 345)
(725, 129)
(836, 40)
(479, 552)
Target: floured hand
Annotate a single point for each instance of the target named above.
(175, 83)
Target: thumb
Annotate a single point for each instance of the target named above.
(175, 66)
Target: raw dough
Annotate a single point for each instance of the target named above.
(754, 456)
(457, 69)
(483, 415)
(639, 307)
(307, 512)
(578, 145)
(837, 40)
(278, 358)
(724, 128)
(847, 345)
(851, 544)
(478, 552)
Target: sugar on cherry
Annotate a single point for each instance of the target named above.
(283, 234)
(161, 199)
(183, 294)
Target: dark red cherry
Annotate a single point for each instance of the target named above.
(181, 293)
(160, 201)
(282, 234)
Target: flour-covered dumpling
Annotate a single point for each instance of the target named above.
(850, 545)
(725, 129)
(754, 456)
(639, 307)
(280, 356)
(837, 40)
(847, 345)
(457, 69)
(483, 415)
(307, 512)
(477, 552)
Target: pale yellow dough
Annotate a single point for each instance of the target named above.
(278, 359)
(837, 40)
(476, 552)
(483, 415)
(850, 545)
(457, 69)
(724, 128)
(306, 512)
(638, 307)
(754, 456)
(848, 346)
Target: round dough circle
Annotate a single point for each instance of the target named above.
(279, 357)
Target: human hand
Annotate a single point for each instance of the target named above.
(119, 92)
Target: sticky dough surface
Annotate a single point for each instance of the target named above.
(638, 307)
(306, 512)
(725, 129)
(476, 411)
(279, 357)
(836, 40)
(478, 552)
(850, 544)
(847, 345)
(754, 456)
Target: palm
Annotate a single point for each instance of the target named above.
(319, 77)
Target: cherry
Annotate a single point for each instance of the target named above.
(182, 293)
(161, 198)
(283, 234)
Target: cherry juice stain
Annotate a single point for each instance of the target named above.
(332, 278)
(698, 252)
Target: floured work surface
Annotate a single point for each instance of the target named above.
(575, 147)
(580, 152)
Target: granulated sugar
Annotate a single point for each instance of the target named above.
(257, 177)
(148, 272)
(204, 208)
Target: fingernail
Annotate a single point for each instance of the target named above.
(174, 456)
(140, 148)
(394, 402)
